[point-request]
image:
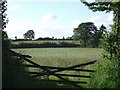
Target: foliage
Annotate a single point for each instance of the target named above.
(88, 34)
(4, 35)
(100, 5)
(98, 38)
(3, 6)
(112, 40)
(6, 43)
(29, 35)
(103, 77)
(84, 33)
(44, 45)
(111, 44)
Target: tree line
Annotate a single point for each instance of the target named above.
(86, 33)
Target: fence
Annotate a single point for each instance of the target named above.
(48, 71)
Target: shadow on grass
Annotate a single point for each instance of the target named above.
(14, 75)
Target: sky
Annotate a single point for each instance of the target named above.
(51, 18)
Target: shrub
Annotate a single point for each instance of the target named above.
(44, 45)
(106, 75)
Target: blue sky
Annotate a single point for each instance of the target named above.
(50, 18)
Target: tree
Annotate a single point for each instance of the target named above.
(4, 22)
(4, 35)
(29, 35)
(15, 37)
(52, 37)
(63, 38)
(85, 33)
(98, 36)
(3, 15)
(113, 40)
(111, 43)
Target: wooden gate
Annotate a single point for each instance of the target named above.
(47, 71)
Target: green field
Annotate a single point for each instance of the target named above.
(62, 56)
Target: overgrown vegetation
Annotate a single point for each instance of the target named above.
(106, 75)
(44, 45)
(108, 70)
(88, 34)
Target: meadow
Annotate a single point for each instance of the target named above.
(62, 56)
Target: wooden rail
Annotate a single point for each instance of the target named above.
(71, 75)
(59, 68)
(52, 71)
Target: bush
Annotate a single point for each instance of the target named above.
(45, 45)
(6, 42)
(106, 75)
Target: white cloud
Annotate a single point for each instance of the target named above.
(97, 20)
(75, 23)
(49, 17)
(53, 29)
(13, 7)
(17, 27)
(94, 19)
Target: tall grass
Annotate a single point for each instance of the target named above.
(62, 56)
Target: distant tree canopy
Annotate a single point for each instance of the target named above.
(99, 35)
(112, 41)
(29, 35)
(48, 38)
(88, 34)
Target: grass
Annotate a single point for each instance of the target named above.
(63, 57)
(14, 75)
